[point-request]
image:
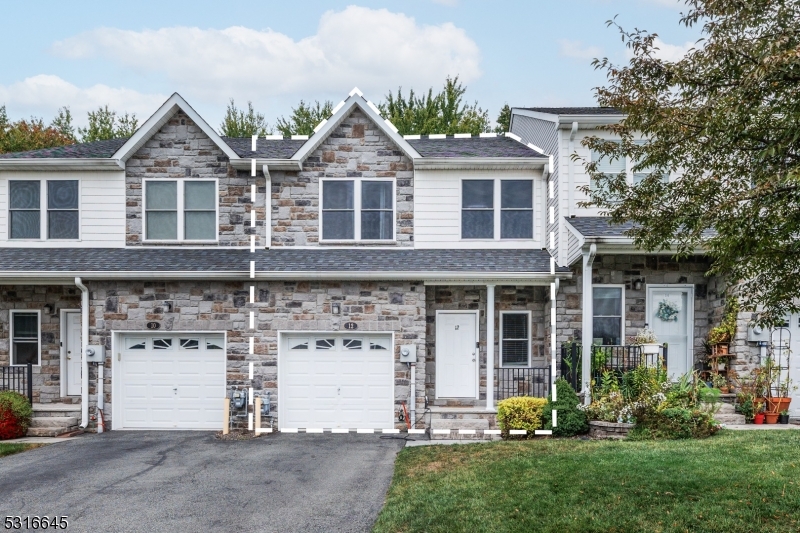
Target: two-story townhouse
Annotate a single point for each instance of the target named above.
(616, 288)
(340, 277)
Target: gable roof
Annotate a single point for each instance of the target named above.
(161, 117)
(474, 146)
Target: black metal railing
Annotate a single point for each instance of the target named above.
(606, 358)
(18, 379)
(523, 381)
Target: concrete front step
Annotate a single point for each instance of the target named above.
(50, 431)
(453, 425)
(54, 421)
(56, 410)
(729, 419)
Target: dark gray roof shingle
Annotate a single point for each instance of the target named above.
(576, 110)
(599, 227)
(96, 149)
(266, 148)
(288, 260)
(472, 147)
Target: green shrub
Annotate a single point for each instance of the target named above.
(571, 419)
(520, 412)
(15, 415)
(676, 423)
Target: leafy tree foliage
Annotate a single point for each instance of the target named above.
(105, 124)
(240, 123)
(24, 135)
(304, 118)
(725, 121)
(503, 120)
(443, 112)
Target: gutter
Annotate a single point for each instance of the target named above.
(499, 163)
(84, 344)
(271, 164)
(76, 163)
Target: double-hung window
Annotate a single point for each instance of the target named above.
(25, 341)
(48, 204)
(515, 338)
(642, 174)
(497, 209)
(360, 210)
(180, 210)
(608, 320)
(607, 166)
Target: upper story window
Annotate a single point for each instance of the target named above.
(607, 166)
(497, 209)
(25, 340)
(57, 210)
(357, 210)
(180, 210)
(642, 174)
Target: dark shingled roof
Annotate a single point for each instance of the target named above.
(472, 147)
(266, 148)
(96, 149)
(576, 110)
(599, 227)
(275, 260)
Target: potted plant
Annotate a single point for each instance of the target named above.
(758, 417)
(718, 381)
(646, 338)
(720, 336)
(783, 417)
(746, 407)
(784, 390)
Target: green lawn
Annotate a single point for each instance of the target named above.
(9, 449)
(737, 481)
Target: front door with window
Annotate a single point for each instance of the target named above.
(670, 314)
(457, 354)
(72, 351)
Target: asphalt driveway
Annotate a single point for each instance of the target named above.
(189, 481)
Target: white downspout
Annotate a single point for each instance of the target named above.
(268, 209)
(413, 402)
(489, 348)
(84, 344)
(588, 313)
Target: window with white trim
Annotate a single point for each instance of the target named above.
(180, 210)
(607, 166)
(357, 210)
(484, 217)
(25, 337)
(515, 338)
(644, 173)
(49, 204)
(608, 319)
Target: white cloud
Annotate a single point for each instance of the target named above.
(42, 95)
(577, 49)
(376, 50)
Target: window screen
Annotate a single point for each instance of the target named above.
(199, 210)
(24, 209)
(477, 209)
(25, 338)
(62, 209)
(338, 210)
(377, 210)
(516, 216)
(607, 324)
(515, 340)
(161, 201)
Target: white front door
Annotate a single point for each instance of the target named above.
(676, 330)
(72, 351)
(457, 354)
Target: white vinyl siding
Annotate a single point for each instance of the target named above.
(438, 209)
(101, 209)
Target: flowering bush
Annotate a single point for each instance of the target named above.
(645, 336)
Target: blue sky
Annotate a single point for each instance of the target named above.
(132, 56)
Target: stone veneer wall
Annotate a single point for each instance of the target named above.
(625, 270)
(46, 378)
(357, 148)
(394, 306)
(466, 298)
(180, 149)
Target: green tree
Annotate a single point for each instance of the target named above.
(104, 124)
(725, 121)
(32, 134)
(503, 120)
(240, 123)
(304, 118)
(443, 112)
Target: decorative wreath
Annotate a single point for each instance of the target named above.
(668, 311)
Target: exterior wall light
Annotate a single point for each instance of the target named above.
(336, 308)
(637, 285)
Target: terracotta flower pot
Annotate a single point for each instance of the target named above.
(773, 405)
(783, 403)
(758, 419)
(772, 418)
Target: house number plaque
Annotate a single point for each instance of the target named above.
(350, 325)
(153, 325)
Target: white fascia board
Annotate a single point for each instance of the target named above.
(272, 164)
(480, 163)
(161, 117)
(75, 163)
(69, 277)
(533, 114)
(565, 121)
(578, 235)
(336, 119)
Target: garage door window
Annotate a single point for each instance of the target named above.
(298, 344)
(352, 344)
(162, 344)
(135, 343)
(326, 344)
(190, 344)
(379, 344)
(213, 343)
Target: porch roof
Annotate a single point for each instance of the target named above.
(599, 227)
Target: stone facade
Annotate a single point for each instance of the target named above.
(181, 150)
(47, 376)
(465, 298)
(398, 307)
(356, 148)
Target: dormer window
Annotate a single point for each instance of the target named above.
(357, 210)
(180, 210)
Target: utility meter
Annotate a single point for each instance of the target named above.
(95, 354)
(408, 353)
(239, 399)
(756, 333)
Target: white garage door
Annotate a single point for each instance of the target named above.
(336, 381)
(173, 381)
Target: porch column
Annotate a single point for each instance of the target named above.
(588, 312)
(490, 347)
